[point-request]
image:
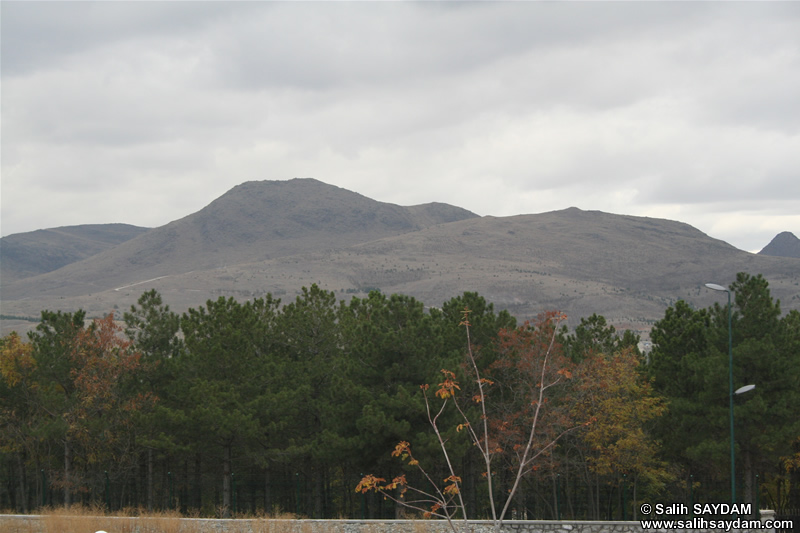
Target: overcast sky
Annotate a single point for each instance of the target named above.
(145, 112)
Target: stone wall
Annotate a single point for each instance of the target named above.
(37, 524)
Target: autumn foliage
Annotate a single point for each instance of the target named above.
(510, 419)
(76, 384)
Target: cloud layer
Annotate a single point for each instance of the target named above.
(143, 112)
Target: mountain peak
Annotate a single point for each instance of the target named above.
(253, 221)
(785, 244)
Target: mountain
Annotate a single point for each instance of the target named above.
(252, 222)
(784, 244)
(581, 262)
(32, 253)
(277, 237)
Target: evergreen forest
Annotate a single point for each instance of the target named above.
(264, 407)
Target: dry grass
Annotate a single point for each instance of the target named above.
(164, 522)
(78, 519)
(18, 526)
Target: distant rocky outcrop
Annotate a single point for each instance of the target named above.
(784, 244)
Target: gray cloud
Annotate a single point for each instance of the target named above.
(143, 112)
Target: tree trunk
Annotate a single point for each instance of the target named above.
(318, 491)
(471, 498)
(589, 495)
(40, 495)
(23, 484)
(226, 482)
(399, 509)
(67, 481)
(123, 493)
(567, 492)
(749, 476)
(184, 492)
(149, 479)
(555, 498)
(198, 487)
(598, 493)
(267, 495)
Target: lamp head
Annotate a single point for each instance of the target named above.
(715, 287)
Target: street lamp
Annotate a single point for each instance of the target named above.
(737, 392)
(715, 287)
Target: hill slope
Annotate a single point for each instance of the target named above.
(581, 262)
(252, 222)
(277, 237)
(32, 253)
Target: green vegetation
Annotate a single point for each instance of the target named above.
(24, 318)
(689, 366)
(260, 407)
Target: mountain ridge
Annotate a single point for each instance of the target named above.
(253, 221)
(276, 237)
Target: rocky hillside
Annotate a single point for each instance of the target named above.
(252, 222)
(277, 237)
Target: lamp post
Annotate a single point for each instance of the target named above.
(715, 287)
(737, 392)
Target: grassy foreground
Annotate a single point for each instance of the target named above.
(78, 519)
